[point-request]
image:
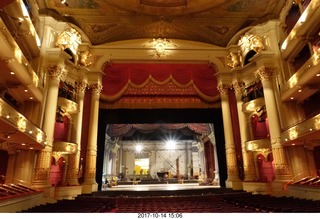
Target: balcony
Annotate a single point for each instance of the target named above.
(17, 131)
(258, 145)
(64, 147)
(305, 133)
(304, 83)
(17, 74)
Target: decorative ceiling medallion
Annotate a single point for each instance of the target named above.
(160, 47)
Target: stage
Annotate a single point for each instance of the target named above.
(170, 189)
(159, 187)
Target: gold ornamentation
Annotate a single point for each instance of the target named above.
(83, 56)
(81, 86)
(266, 73)
(235, 59)
(96, 88)
(250, 42)
(223, 89)
(239, 87)
(280, 161)
(56, 71)
(160, 45)
(69, 39)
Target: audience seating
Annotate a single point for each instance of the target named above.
(218, 200)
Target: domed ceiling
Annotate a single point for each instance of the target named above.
(214, 22)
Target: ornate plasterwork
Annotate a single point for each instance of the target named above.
(56, 71)
(239, 87)
(214, 22)
(235, 59)
(69, 38)
(160, 47)
(265, 73)
(82, 58)
(96, 89)
(223, 89)
(81, 86)
(250, 42)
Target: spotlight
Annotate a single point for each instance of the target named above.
(171, 144)
(138, 148)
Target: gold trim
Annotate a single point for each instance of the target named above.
(68, 106)
(258, 145)
(65, 147)
(253, 105)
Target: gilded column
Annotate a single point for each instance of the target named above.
(232, 169)
(43, 162)
(248, 158)
(74, 159)
(280, 160)
(89, 185)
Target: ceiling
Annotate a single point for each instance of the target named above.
(213, 22)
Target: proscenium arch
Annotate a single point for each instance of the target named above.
(133, 116)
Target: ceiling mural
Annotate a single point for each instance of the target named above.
(207, 21)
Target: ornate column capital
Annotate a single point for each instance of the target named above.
(223, 89)
(56, 71)
(238, 86)
(96, 88)
(265, 73)
(81, 86)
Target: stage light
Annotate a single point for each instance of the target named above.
(171, 144)
(138, 148)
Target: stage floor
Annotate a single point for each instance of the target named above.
(159, 187)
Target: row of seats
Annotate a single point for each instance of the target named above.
(308, 181)
(14, 190)
(268, 203)
(219, 202)
(78, 205)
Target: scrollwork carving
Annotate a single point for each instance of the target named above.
(56, 71)
(223, 89)
(96, 88)
(266, 73)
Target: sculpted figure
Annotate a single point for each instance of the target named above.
(235, 59)
(83, 56)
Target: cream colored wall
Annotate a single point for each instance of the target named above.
(23, 168)
(299, 162)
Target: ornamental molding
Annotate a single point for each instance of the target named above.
(239, 87)
(81, 86)
(223, 89)
(96, 88)
(265, 73)
(56, 71)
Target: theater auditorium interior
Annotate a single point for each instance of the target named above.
(163, 106)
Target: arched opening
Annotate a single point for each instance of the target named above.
(248, 56)
(56, 171)
(265, 167)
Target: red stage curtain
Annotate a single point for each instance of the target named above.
(119, 76)
(124, 129)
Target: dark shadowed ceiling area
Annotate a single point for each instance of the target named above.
(214, 22)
